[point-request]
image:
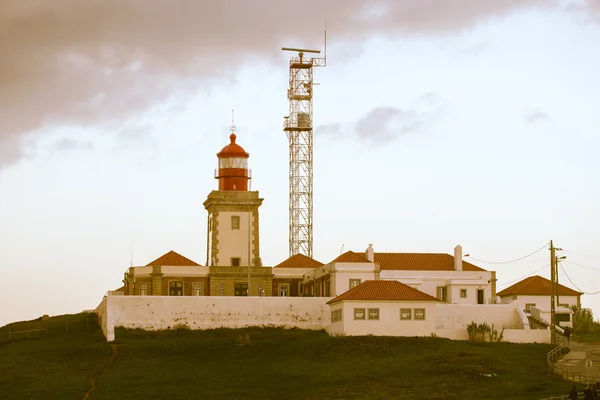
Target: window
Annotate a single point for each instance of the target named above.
(235, 222)
(373, 313)
(354, 283)
(241, 289)
(198, 289)
(405, 313)
(441, 293)
(419, 313)
(463, 293)
(261, 292)
(528, 307)
(336, 316)
(221, 289)
(143, 289)
(327, 290)
(284, 290)
(359, 313)
(235, 261)
(175, 288)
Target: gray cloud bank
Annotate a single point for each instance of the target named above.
(386, 123)
(95, 61)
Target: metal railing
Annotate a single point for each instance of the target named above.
(565, 373)
(14, 335)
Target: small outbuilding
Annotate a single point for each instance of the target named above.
(383, 308)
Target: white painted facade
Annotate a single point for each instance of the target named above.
(341, 273)
(389, 322)
(527, 301)
(290, 273)
(172, 271)
(234, 242)
(454, 281)
(544, 315)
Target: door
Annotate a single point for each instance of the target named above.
(241, 289)
(480, 296)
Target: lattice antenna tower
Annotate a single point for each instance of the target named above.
(298, 126)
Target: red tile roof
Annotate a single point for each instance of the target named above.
(352, 257)
(173, 259)
(383, 290)
(536, 286)
(420, 262)
(299, 261)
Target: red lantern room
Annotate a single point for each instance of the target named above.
(233, 167)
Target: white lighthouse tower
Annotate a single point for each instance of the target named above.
(233, 234)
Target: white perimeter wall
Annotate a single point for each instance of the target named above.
(164, 312)
(102, 317)
(460, 315)
(510, 335)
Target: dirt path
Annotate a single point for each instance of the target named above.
(115, 351)
(576, 359)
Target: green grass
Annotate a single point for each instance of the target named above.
(56, 365)
(269, 363)
(587, 337)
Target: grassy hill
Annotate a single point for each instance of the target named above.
(72, 358)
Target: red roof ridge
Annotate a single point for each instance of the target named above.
(383, 290)
(352, 257)
(175, 259)
(536, 286)
(299, 261)
(421, 262)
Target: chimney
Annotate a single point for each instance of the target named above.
(458, 258)
(370, 253)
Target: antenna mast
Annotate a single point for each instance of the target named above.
(298, 126)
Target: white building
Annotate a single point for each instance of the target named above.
(448, 278)
(382, 308)
(535, 291)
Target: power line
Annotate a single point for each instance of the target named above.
(524, 276)
(584, 254)
(511, 261)
(581, 265)
(567, 275)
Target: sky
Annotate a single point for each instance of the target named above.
(437, 123)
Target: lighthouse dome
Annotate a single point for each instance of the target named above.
(233, 150)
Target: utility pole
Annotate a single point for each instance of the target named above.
(552, 290)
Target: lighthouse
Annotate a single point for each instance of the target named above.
(232, 228)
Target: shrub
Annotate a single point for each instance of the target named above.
(484, 333)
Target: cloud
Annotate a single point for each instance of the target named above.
(534, 116)
(475, 49)
(332, 129)
(385, 124)
(588, 9)
(70, 144)
(94, 62)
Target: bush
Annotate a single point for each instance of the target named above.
(583, 321)
(484, 333)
